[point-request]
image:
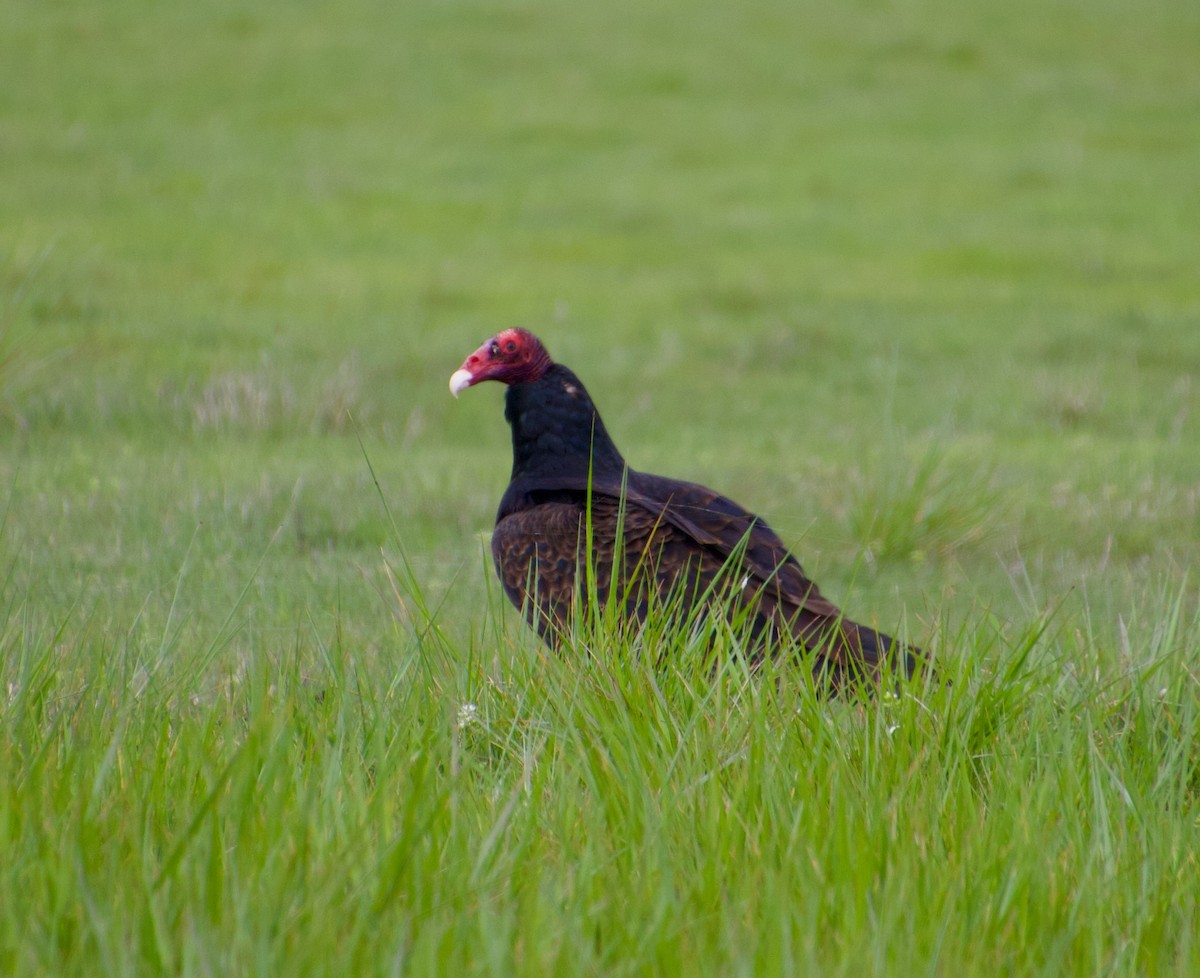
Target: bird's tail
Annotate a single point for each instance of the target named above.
(882, 652)
(850, 653)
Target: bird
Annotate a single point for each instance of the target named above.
(577, 520)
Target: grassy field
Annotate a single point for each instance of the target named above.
(915, 280)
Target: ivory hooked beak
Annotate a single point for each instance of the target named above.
(460, 380)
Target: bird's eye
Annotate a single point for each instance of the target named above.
(510, 346)
(494, 349)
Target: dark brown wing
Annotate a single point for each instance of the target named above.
(712, 521)
(679, 544)
(706, 548)
(720, 525)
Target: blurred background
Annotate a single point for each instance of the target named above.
(917, 281)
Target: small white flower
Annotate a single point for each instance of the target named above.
(468, 713)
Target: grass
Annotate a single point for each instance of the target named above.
(472, 810)
(915, 281)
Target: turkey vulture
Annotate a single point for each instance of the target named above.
(668, 542)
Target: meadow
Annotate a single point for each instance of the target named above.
(915, 280)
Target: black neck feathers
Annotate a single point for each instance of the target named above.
(557, 431)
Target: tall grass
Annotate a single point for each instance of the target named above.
(495, 808)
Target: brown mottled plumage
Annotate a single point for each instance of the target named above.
(672, 543)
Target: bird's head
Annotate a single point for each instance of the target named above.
(512, 356)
